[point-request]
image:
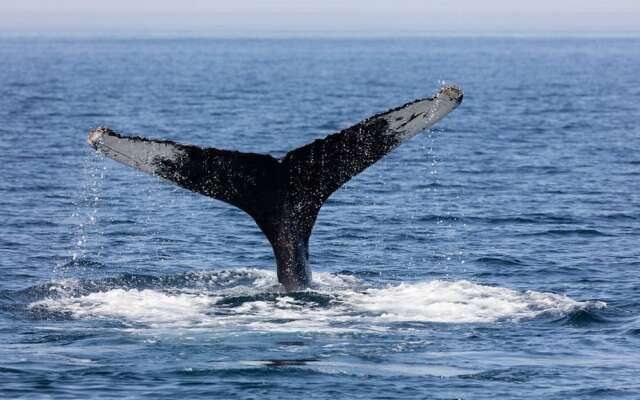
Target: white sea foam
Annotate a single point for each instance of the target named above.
(144, 306)
(336, 303)
(457, 302)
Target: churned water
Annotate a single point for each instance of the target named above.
(495, 256)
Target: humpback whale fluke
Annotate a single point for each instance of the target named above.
(284, 195)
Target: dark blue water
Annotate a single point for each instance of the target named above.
(495, 256)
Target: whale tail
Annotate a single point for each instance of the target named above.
(284, 195)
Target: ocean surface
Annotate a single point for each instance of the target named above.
(496, 256)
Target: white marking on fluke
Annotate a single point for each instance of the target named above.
(143, 154)
(413, 118)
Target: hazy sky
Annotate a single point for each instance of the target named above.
(320, 17)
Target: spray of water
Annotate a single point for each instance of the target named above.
(85, 215)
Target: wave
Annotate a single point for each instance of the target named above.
(250, 299)
(524, 219)
(583, 318)
(569, 232)
(501, 261)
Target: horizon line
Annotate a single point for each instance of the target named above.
(266, 35)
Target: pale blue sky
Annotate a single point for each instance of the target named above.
(320, 17)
